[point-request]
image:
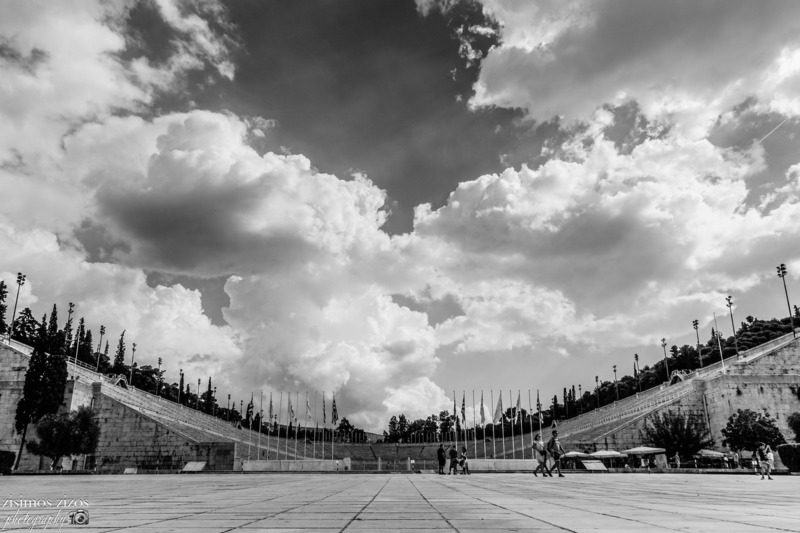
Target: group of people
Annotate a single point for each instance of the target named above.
(764, 460)
(542, 451)
(455, 460)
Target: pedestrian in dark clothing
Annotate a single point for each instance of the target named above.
(453, 453)
(555, 450)
(440, 455)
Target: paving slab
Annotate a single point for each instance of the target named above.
(327, 503)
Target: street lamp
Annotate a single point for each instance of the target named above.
(696, 325)
(158, 377)
(214, 401)
(580, 397)
(638, 372)
(197, 403)
(616, 389)
(228, 409)
(133, 355)
(180, 387)
(782, 275)
(99, 346)
(20, 283)
(597, 387)
(733, 327)
(666, 361)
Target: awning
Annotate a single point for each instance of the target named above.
(644, 450)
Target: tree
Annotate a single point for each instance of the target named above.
(45, 380)
(25, 327)
(746, 428)
(119, 357)
(794, 424)
(676, 433)
(3, 307)
(445, 424)
(66, 434)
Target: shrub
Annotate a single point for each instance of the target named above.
(794, 424)
(6, 461)
(790, 455)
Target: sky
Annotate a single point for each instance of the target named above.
(397, 200)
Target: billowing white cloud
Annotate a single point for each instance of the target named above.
(686, 61)
(165, 322)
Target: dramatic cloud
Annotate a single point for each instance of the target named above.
(691, 60)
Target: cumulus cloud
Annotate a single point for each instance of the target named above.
(582, 246)
(165, 322)
(681, 60)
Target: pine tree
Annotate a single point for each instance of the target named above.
(3, 307)
(45, 380)
(119, 356)
(25, 327)
(85, 350)
(68, 326)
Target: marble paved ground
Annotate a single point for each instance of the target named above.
(422, 503)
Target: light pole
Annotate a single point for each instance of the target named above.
(133, 356)
(180, 387)
(228, 409)
(99, 346)
(638, 372)
(158, 377)
(580, 399)
(20, 283)
(729, 299)
(616, 389)
(666, 361)
(597, 387)
(696, 325)
(214, 401)
(782, 275)
(197, 402)
(70, 310)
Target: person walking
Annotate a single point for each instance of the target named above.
(769, 462)
(464, 460)
(453, 460)
(540, 452)
(440, 455)
(555, 450)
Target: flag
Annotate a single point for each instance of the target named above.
(249, 417)
(271, 414)
(483, 415)
(498, 413)
(464, 407)
(334, 413)
(308, 409)
(324, 416)
(518, 409)
(291, 409)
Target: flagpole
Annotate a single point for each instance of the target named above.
(278, 436)
(250, 424)
(455, 420)
(474, 427)
(295, 428)
(260, 422)
(288, 421)
(494, 449)
(483, 427)
(324, 423)
(530, 423)
(316, 425)
(511, 408)
(333, 432)
(502, 422)
(464, 416)
(539, 412)
(269, 427)
(521, 427)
